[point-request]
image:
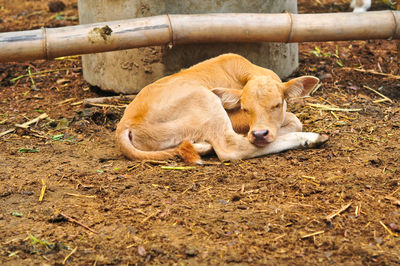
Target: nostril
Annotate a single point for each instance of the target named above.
(260, 134)
(265, 133)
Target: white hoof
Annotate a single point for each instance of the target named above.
(314, 140)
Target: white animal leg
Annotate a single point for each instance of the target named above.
(236, 147)
(203, 148)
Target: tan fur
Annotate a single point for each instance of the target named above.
(206, 104)
(188, 153)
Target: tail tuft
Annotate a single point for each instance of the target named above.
(188, 153)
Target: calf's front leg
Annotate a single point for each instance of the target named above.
(236, 147)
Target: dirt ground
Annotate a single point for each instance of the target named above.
(99, 208)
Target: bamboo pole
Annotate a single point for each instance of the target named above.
(47, 43)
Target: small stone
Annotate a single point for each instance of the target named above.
(56, 6)
(236, 197)
(233, 258)
(141, 251)
(57, 218)
(62, 124)
(191, 252)
(325, 76)
(394, 227)
(158, 251)
(87, 112)
(222, 202)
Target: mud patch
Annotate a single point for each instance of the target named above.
(99, 33)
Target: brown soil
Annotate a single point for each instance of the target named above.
(268, 210)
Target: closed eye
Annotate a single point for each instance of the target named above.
(277, 106)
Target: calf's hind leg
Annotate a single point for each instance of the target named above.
(203, 148)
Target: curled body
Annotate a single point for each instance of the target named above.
(225, 104)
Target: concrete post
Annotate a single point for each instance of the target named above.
(130, 70)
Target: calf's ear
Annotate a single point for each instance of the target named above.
(299, 87)
(230, 98)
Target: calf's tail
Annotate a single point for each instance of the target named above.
(185, 150)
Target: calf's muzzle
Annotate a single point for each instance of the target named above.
(260, 134)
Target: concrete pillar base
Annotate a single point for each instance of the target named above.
(129, 71)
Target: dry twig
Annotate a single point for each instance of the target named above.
(150, 216)
(394, 192)
(384, 98)
(331, 108)
(370, 71)
(66, 101)
(312, 234)
(336, 213)
(69, 255)
(25, 125)
(72, 220)
(42, 191)
(101, 100)
(107, 105)
(177, 167)
(81, 195)
(186, 190)
(388, 230)
(393, 200)
(155, 162)
(316, 88)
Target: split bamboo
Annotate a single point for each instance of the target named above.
(47, 43)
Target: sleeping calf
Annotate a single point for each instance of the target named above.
(213, 106)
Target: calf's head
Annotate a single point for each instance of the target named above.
(263, 100)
